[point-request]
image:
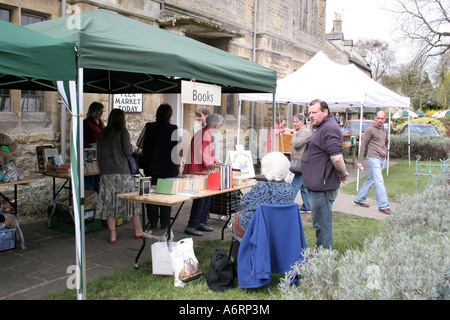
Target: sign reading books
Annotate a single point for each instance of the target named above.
(131, 102)
(200, 93)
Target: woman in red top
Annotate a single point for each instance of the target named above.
(92, 126)
(279, 130)
(200, 156)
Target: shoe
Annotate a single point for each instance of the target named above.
(362, 204)
(193, 231)
(112, 241)
(205, 227)
(147, 232)
(305, 211)
(385, 211)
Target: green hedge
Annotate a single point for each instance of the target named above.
(426, 146)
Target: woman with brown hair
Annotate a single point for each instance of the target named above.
(113, 147)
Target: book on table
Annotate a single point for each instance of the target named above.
(220, 177)
(166, 186)
(145, 186)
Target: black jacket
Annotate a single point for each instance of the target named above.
(160, 140)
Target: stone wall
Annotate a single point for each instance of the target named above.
(288, 33)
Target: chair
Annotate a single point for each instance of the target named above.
(273, 243)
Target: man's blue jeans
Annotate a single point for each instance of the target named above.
(375, 178)
(297, 184)
(321, 213)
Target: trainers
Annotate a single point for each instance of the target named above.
(385, 211)
(362, 204)
(193, 231)
(205, 227)
(305, 211)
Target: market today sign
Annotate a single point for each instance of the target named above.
(200, 93)
(131, 102)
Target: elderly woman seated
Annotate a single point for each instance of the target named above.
(275, 167)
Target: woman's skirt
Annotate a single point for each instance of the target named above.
(109, 205)
(237, 228)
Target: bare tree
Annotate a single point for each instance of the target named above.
(427, 24)
(378, 55)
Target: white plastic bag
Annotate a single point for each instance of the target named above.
(185, 265)
(290, 176)
(161, 262)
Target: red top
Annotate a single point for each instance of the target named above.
(91, 131)
(201, 153)
(278, 131)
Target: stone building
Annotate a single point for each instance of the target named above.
(280, 34)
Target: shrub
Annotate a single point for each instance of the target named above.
(408, 259)
(427, 147)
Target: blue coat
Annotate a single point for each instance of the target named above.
(272, 243)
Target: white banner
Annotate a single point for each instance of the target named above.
(130, 102)
(200, 93)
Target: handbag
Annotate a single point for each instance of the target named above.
(296, 166)
(221, 272)
(185, 265)
(133, 165)
(139, 156)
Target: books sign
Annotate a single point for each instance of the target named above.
(131, 102)
(200, 93)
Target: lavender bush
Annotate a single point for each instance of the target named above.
(408, 259)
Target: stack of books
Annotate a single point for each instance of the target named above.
(63, 168)
(187, 185)
(220, 177)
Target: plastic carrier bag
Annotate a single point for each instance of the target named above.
(185, 265)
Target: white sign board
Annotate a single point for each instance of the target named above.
(243, 161)
(200, 93)
(130, 102)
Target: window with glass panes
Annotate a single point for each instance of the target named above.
(31, 100)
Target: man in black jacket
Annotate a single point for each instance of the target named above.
(159, 142)
(323, 169)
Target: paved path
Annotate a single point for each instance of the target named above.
(41, 268)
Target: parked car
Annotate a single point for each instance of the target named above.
(351, 128)
(421, 129)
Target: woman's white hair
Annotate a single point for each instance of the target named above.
(275, 166)
(214, 119)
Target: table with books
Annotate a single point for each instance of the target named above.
(12, 204)
(172, 192)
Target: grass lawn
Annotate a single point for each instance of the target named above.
(349, 231)
(130, 284)
(401, 179)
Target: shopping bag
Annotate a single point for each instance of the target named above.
(185, 265)
(161, 262)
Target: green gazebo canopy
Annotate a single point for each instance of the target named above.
(30, 59)
(122, 55)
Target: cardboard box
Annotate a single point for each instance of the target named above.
(90, 200)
